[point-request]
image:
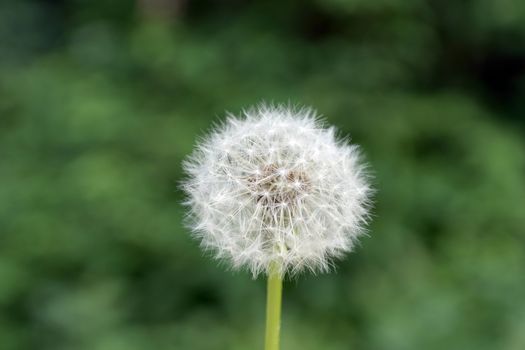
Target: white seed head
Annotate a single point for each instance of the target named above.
(276, 188)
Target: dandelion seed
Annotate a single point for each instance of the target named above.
(277, 191)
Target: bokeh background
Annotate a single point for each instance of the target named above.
(100, 101)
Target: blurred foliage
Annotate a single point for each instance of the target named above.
(101, 101)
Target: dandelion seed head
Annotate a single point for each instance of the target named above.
(275, 187)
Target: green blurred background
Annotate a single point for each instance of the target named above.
(100, 101)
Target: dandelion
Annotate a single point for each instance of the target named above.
(277, 192)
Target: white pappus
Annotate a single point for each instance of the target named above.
(276, 189)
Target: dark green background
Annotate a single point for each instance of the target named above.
(100, 101)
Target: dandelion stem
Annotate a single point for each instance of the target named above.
(273, 309)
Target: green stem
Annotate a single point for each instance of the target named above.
(273, 310)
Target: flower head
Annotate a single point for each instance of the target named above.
(276, 188)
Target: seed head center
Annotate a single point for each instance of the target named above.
(273, 186)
